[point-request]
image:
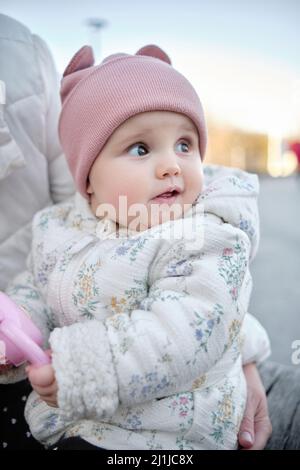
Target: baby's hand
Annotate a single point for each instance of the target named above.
(43, 381)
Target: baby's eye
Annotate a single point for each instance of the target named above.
(184, 147)
(138, 150)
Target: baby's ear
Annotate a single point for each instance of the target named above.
(154, 51)
(83, 59)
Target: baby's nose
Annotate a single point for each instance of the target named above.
(168, 167)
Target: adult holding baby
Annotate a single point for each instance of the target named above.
(256, 411)
(33, 174)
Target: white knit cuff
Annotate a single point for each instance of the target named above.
(84, 369)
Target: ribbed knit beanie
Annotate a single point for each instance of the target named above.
(96, 100)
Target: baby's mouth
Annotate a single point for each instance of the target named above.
(168, 194)
(167, 197)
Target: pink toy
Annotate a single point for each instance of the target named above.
(21, 337)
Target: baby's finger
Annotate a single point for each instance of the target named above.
(46, 391)
(41, 376)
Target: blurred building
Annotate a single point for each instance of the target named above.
(254, 152)
(233, 147)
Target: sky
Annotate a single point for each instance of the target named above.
(242, 56)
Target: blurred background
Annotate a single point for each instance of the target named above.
(243, 58)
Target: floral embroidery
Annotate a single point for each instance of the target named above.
(241, 184)
(115, 304)
(153, 442)
(130, 247)
(198, 383)
(184, 444)
(223, 418)
(148, 385)
(247, 227)
(180, 268)
(183, 406)
(203, 327)
(134, 421)
(85, 290)
(43, 220)
(45, 268)
(234, 330)
(65, 260)
(232, 267)
(131, 299)
(58, 213)
(158, 294)
(132, 418)
(98, 431)
(119, 321)
(209, 170)
(49, 314)
(208, 191)
(51, 422)
(35, 401)
(79, 221)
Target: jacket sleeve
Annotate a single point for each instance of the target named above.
(24, 292)
(60, 180)
(256, 344)
(191, 316)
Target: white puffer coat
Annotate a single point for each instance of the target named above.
(33, 170)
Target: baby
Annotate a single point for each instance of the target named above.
(145, 315)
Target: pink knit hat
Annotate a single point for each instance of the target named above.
(98, 99)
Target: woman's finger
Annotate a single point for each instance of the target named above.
(263, 431)
(246, 432)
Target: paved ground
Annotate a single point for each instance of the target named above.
(276, 270)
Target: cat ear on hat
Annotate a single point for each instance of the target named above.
(78, 66)
(83, 59)
(154, 51)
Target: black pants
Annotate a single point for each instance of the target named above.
(282, 384)
(14, 432)
(73, 443)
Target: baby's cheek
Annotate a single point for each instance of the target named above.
(195, 185)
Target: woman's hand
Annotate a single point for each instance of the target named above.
(43, 381)
(256, 426)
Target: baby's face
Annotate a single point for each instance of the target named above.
(149, 154)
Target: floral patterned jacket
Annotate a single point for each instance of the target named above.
(146, 331)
